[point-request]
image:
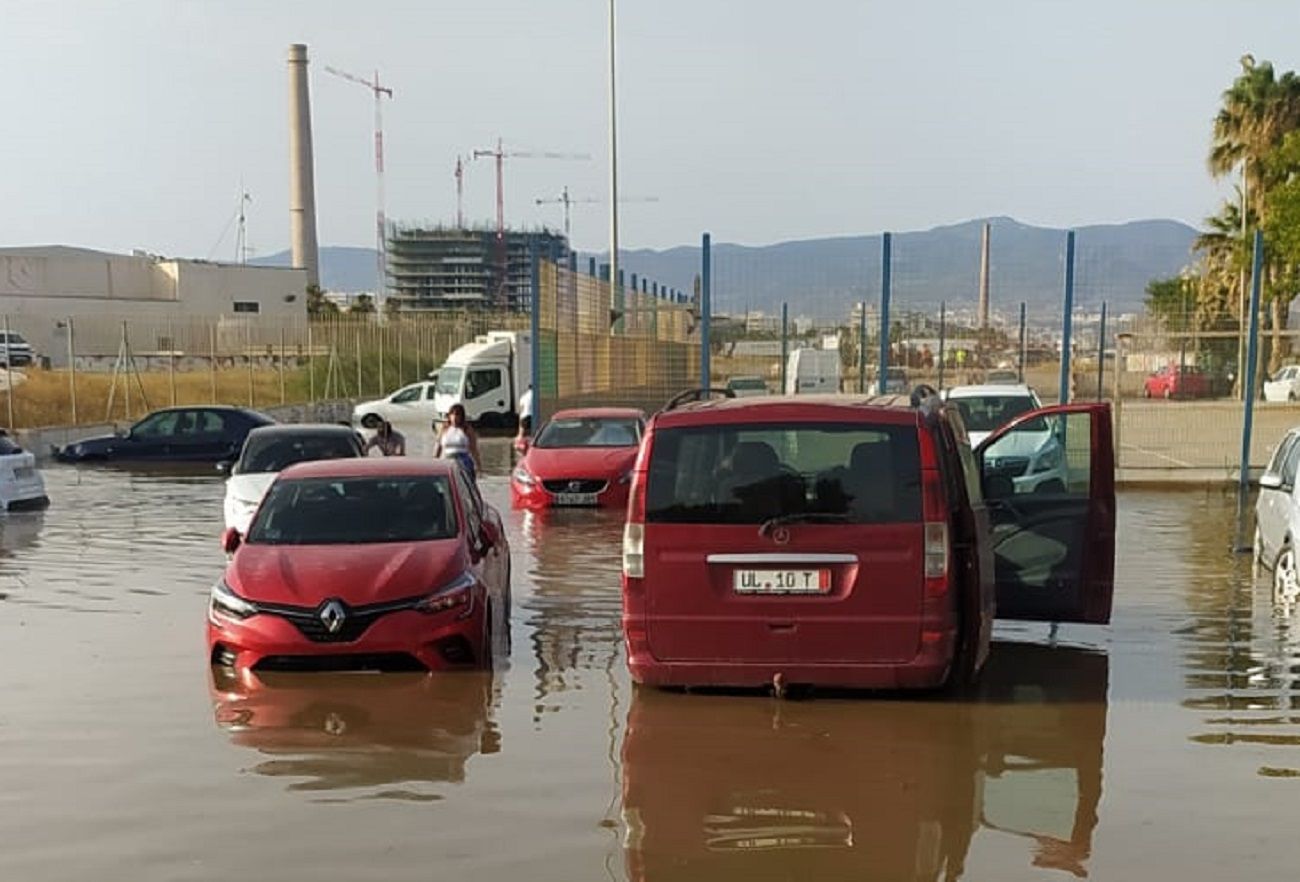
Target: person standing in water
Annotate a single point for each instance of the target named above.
(458, 441)
(525, 415)
(389, 441)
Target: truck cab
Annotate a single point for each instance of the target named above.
(487, 377)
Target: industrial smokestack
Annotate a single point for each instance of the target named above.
(984, 278)
(302, 186)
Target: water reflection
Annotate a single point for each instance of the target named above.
(574, 609)
(381, 735)
(719, 787)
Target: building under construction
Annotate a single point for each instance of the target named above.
(444, 268)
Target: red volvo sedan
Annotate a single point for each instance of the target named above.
(364, 564)
(581, 458)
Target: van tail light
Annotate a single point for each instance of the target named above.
(634, 550)
(935, 512)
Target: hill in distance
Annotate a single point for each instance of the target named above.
(822, 278)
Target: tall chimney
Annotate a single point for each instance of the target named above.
(984, 278)
(302, 187)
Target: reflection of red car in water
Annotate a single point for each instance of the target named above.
(326, 732)
(580, 458)
(718, 787)
(1171, 382)
(371, 564)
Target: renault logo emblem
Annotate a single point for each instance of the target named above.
(332, 616)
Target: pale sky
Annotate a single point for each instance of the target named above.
(131, 124)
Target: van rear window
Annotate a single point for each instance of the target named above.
(747, 474)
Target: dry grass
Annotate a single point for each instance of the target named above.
(45, 399)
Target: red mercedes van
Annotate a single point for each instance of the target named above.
(862, 543)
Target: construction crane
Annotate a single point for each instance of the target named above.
(568, 202)
(381, 227)
(500, 155)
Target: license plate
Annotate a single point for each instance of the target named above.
(781, 581)
(575, 498)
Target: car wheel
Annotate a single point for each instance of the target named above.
(1286, 581)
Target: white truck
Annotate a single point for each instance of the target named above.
(812, 371)
(487, 377)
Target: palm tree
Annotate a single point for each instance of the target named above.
(1259, 110)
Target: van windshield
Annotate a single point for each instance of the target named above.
(449, 381)
(747, 474)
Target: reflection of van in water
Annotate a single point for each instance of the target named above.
(719, 787)
(812, 371)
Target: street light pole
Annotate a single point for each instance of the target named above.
(613, 173)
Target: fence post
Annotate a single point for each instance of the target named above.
(535, 333)
(1067, 320)
(785, 341)
(1020, 355)
(1101, 352)
(9, 376)
(886, 283)
(171, 360)
(706, 309)
(1248, 419)
(282, 392)
(72, 371)
(862, 347)
(248, 356)
(379, 329)
(943, 338)
(212, 358)
(311, 366)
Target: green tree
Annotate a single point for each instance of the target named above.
(318, 304)
(363, 305)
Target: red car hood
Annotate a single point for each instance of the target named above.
(549, 463)
(305, 575)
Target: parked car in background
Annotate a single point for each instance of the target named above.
(364, 564)
(21, 484)
(835, 543)
(1277, 519)
(1284, 386)
(1001, 377)
(579, 458)
(14, 350)
(1173, 381)
(744, 387)
(271, 449)
(208, 433)
(407, 406)
(985, 408)
(895, 383)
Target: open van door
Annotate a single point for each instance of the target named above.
(1048, 479)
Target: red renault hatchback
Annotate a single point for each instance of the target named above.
(856, 543)
(580, 458)
(364, 564)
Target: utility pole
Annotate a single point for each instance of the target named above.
(613, 186)
(381, 227)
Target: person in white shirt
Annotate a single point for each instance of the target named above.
(525, 414)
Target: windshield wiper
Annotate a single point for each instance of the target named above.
(805, 517)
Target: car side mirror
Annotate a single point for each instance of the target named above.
(225, 467)
(489, 535)
(230, 540)
(122, 433)
(1270, 482)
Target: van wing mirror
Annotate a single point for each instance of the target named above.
(1270, 482)
(230, 540)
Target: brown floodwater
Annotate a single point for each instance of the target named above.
(1166, 746)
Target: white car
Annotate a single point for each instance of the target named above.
(408, 405)
(1277, 519)
(271, 449)
(1285, 385)
(21, 483)
(1033, 458)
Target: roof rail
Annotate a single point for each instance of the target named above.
(692, 395)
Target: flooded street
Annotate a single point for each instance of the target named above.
(1166, 746)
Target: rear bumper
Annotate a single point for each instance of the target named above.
(927, 670)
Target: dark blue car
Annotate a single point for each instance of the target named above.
(204, 433)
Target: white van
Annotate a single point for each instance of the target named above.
(487, 376)
(811, 371)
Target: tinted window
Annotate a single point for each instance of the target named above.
(1289, 466)
(988, 412)
(590, 432)
(331, 511)
(410, 393)
(481, 382)
(1275, 465)
(747, 474)
(275, 453)
(748, 384)
(158, 425)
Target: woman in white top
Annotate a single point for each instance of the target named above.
(458, 441)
